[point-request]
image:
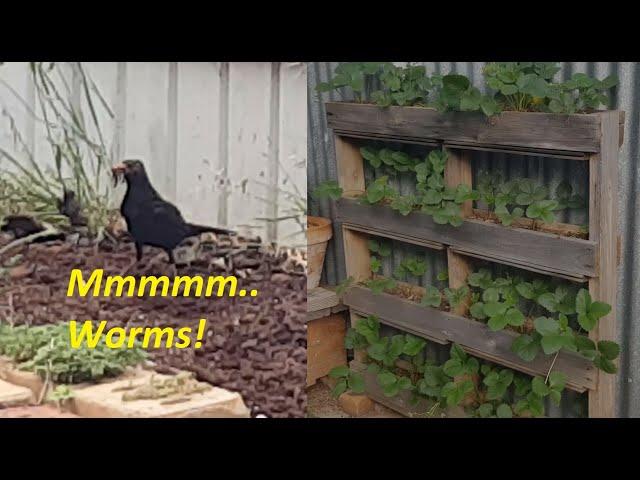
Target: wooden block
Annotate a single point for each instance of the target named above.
(14, 395)
(355, 405)
(321, 298)
(325, 346)
(11, 374)
(105, 401)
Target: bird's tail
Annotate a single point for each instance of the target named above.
(198, 229)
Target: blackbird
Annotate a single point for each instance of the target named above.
(150, 219)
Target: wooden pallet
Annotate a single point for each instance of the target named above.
(593, 138)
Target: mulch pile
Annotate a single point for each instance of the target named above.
(254, 345)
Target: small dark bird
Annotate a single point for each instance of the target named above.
(23, 226)
(150, 219)
(70, 207)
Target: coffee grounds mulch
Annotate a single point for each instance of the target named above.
(253, 345)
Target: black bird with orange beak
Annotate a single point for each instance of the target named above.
(151, 220)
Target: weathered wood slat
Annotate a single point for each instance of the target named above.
(526, 248)
(474, 336)
(533, 130)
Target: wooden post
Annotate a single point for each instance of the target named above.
(458, 171)
(350, 166)
(603, 228)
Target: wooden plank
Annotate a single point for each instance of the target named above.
(459, 268)
(382, 138)
(394, 236)
(525, 248)
(533, 130)
(349, 165)
(543, 271)
(474, 336)
(514, 150)
(325, 346)
(603, 228)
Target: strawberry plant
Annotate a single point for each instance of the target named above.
(379, 247)
(410, 266)
(456, 296)
(431, 297)
(379, 285)
(402, 86)
(46, 350)
(347, 380)
(328, 189)
(352, 75)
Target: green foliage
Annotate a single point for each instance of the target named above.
(455, 296)
(328, 189)
(516, 86)
(379, 285)
(343, 286)
(379, 247)
(431, 297)
(351, 75)
(375, 264)
(46, 350)
(79, 157)
(528, 86)
(378, 191)
(348, 380)
(589, 312)
(411, 266)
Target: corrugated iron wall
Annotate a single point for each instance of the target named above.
(321, 155)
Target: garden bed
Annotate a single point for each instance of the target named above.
(445, 327)
(570, 135)
(254, 345)
(538, 251)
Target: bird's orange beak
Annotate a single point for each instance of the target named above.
(117, 172)
(119, 168)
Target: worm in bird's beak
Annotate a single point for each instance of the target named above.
(117, 172)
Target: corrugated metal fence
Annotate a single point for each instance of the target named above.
(225, 141)
(626, 97)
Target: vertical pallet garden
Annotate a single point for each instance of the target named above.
(592, 138)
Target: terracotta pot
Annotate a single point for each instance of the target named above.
(319, 233)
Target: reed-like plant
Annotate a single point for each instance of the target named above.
(79, 158)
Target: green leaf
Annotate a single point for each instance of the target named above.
(539, 387)
(557, 380)
(432, 297)
(339, 372)
(413, 345)
(371, 156)
(328, 189)
(605, 364)
(609, 350)
(526, 347)
(504, 411)
(485, 410)
(546, 326)
(490, 295)
(375, 264)
(356, 383)
(340, 388)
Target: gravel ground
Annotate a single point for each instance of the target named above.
(321, 404)
(253, 345)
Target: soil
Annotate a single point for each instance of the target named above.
(253, 345)
(321, 404)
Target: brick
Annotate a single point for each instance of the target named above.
(41, 411)
(355, 405)
(325, 346)
(101, 401)
(14, 395)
